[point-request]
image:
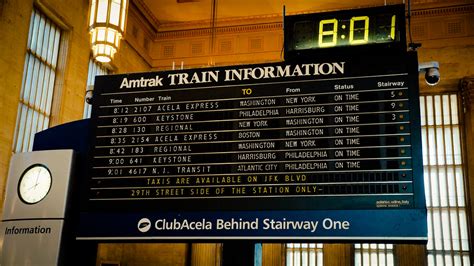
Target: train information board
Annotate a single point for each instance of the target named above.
(325, 149)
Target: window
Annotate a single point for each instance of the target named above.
(444, 181)
(444, 188)
(95, 69)
(448, 242)
(304, 254)
(34, 109)
(373, 254)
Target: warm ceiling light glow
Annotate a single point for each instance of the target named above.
(106, 25)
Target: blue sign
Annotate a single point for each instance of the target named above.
(335, 225)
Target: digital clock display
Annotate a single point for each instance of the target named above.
(383, 26)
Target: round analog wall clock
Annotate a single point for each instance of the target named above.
(34, 184)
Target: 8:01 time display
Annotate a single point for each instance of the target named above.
(380, 25)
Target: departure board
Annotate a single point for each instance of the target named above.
(337, 134)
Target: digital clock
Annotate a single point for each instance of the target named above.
(380, 26)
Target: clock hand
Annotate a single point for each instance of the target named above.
(34, 186)
(36, 181)
(37, 177)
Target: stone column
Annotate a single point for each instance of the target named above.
(273, 254)
(338, 254)
(409, 255)
(467, 91)
(206, 254)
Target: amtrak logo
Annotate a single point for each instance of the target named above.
(144, 225)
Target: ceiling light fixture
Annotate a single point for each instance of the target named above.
(106, 26)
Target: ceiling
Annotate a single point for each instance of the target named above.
(177, 11)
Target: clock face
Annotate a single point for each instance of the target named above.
(34, 184)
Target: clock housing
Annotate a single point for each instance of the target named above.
(60, 164)
(354, 31)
